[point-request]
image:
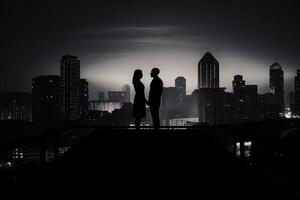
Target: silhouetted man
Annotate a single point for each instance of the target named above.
(155, 93)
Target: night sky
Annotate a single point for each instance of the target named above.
(112, 38)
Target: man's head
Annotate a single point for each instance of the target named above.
(154, 72)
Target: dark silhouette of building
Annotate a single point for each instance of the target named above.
(267, 107)
(211, 106)
(180, 87)
(245, 100)
(237, 82)
(126, 89)
(277, 85)
(101, 96)
(168, 97)
(45, 98)
(16, 106)
(70, 88)
(229, 108)
(297, 92)
(84, 97)
(208, 72)
(291, 100)
(194, 103)
(211, 96)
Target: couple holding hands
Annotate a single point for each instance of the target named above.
(139, 103)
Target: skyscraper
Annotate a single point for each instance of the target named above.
(70, 88)
(168, 97)
(211, 106)
(45, 98)
(194, 104)
(84, 97)
(208, 72)
(291, 100)
(180, 87)
(237, 82)
(277, 85)
(245, 100)
(297, 93)
(211, 96)
(126, 88)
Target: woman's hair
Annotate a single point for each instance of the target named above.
(136, 76)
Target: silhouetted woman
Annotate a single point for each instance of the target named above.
(139, 103)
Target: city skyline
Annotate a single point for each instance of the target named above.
(114, 38)
(170, 82)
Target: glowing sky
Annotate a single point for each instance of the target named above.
(113, 38)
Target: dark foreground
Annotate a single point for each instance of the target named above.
(158, 164)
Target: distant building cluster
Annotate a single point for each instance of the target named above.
(212, 105)
(65, 97)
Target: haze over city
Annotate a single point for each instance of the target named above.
(112, 38)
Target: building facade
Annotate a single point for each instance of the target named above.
(208, 72)
(245, 104)
(168, 97)
(16, 106)
(180, 90)
(211, 106)
(84, 97)
(70, 88)
(277, 85)
(210, 95)
(297, 93)
(126, 89)
(45, 98)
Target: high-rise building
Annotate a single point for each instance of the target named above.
(101, 96)
(208, 72)
(229, 108)
(211, 96)
(211, 106)
(15, 106)
(126, 88)
(70, 88)
(194, 103)
(245, 100)
(237, 82)
(45, 98)
(180, 87)
(291, 100)
(168, 97)
(297, 93)
(267, 107)
(84, 97)
(277, 85)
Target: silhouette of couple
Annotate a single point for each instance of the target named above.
(139, 104)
